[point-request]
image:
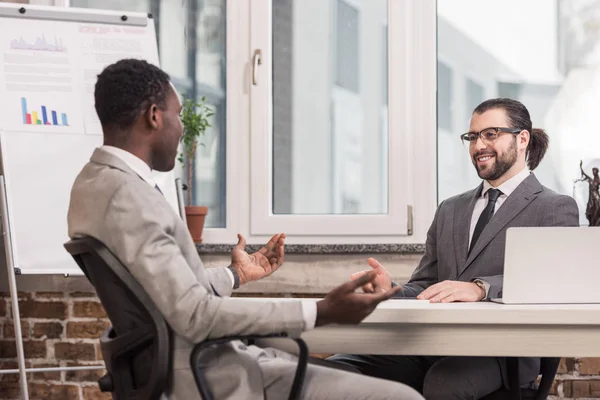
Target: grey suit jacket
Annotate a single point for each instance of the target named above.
(446, 250)
(114, 205)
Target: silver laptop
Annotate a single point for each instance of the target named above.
(551, 265)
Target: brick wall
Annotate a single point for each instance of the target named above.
(61, 329)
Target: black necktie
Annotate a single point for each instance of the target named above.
(485, 216)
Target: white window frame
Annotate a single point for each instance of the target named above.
(412, 150)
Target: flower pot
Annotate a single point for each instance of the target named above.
(195, 216)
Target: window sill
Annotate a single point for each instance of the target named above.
(400, 248)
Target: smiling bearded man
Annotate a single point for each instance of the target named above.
(464, 251)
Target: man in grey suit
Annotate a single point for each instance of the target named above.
(115, 200)
(464, 253)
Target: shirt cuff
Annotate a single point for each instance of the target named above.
(486, 286)
(309, 312)
(230, 276)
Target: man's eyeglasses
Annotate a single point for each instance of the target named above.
(488, 135)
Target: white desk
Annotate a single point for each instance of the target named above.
(476, 329)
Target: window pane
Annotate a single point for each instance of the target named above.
(330, 107)
(551, 66)
(197, 68)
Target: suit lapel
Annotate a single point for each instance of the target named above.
(462, 224)
(514, 204)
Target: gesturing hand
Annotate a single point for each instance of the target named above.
(251, 267)
(450, 291)
(344, 306)
(381, 283)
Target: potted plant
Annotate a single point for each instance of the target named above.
(195, 122)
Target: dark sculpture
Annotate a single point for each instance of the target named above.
(592, 212)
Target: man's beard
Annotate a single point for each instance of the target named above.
(501, 164)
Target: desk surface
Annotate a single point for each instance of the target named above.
(482, 329)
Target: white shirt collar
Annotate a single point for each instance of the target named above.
(510, 185)
(138, 165)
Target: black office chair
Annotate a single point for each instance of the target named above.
(548, 368)
(137, 347)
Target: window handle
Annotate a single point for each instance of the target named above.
(256, 61)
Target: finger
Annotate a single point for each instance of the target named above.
(351, 286)
(241, 244)
(368, 288)
(358, 274)
(373, 263)
(432, 290)
(388, 294)
(442, 295)
(452, 298)
(280, 251)
(270, 245)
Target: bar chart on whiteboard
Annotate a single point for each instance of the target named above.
(39, 80)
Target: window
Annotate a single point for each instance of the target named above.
(197, 68)
(329, 162)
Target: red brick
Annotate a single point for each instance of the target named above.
(47, 330)
(86, 330)
(8, 349)
(46, 375)
(9, 329)
(554, 388)
(99, 352)
(75, 351)
(10, 390)
(43, 309)
(48, 391)
(88, 309)
(94, 393)
(49, 295)
(7, 378)
(90, 375)
(566, 365)
(568, 388)
(581, 388)
(84, 294)
(595, 388)
(589, 366)
(3, 308)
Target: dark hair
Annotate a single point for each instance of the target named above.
(126, 88)
(519, 118)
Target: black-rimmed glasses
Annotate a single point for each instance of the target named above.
(488, 135)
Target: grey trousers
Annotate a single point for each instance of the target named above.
(322, 383)
(436, 378)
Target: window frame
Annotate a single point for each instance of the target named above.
(411, 156)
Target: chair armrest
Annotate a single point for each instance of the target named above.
(200, 379)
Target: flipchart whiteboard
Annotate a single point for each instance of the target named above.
(49, 61)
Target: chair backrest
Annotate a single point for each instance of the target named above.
(137, 348)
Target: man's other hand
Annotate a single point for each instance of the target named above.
(451, 291)
(255, 266)
(381, 283)
(344, 306)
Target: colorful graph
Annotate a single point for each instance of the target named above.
(48, 117)
(40, 44)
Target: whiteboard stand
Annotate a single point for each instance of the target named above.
(12, 283)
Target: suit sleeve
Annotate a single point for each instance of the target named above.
(145, 243)
(563, 211)
(220, 280)
(426, 273)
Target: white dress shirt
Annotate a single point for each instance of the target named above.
(506, 188)
(139, 166)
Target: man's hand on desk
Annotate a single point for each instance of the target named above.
(255, 266)
(344, 306)
(382, 281)
(451, 291)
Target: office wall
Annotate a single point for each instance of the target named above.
(61, 327)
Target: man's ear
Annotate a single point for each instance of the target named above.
(154, 117)
(524, 138)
